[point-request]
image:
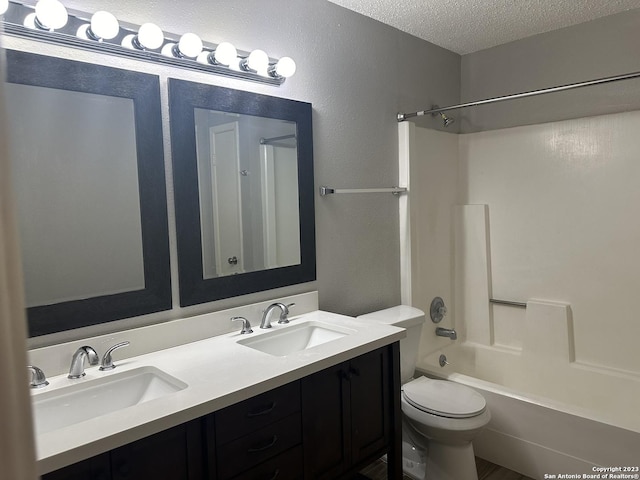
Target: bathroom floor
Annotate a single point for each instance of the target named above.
(490, 471)
(486, 471)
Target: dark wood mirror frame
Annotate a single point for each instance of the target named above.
(186, 96)
(38, 70)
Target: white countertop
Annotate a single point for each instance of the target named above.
(218, 371)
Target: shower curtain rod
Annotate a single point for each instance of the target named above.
(628, 76)
(266, 141)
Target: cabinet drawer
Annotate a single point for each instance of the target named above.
(286, 466)
(248, 451)
(257, 412)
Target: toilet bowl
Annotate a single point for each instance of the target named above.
(440, 418)
(443, 418)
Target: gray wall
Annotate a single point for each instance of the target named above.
(357, 73)
(601, 48)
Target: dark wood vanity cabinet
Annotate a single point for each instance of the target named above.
(325, 426)
(95, 468)
(259, 438)
(174, 454)
(347, 415)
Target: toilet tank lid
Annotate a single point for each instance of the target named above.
(400, 316)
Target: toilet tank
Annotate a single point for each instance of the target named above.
(406, 317)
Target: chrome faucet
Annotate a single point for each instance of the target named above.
(38, 379)
(77, 362)
(107, 361)
(446, 332)
(246, 326)
(284, 311)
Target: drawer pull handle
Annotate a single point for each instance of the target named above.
(264, 411)
(263, 447)
(275, 474)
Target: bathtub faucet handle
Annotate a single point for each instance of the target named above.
(437, 310)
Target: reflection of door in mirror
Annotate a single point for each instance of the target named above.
(248, 222)
(197, 111)
(280, 214)
(221, 202)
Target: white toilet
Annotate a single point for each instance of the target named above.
(440, 418)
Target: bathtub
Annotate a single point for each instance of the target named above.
(569, 420)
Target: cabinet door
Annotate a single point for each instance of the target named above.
(370, 404)
(95, 468)
(325, 423)
(174, 454)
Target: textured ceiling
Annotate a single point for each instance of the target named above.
(466, 26)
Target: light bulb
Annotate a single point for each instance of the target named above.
(30, 21)
(104, 25)
(225, 53)
(190, 45)
(51, 14)
(204, 57)
(150, 36)
(127, 41)
(168, 49)
(4, 4)
(257, 61)
(83, 31)
(285, 67)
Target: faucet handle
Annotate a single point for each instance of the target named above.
(38, 378)
(107, 361)
(285, 311)
(246, 326)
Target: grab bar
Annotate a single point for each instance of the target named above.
(508, 303)
(394, 190)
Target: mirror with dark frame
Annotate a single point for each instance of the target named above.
(243, 181)
(88, 175)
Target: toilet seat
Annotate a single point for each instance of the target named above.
(443, 398)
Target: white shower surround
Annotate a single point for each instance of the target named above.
(536, 212)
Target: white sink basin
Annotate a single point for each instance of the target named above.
(285, 340)
(92, 398)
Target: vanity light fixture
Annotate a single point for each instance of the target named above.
(101, 32)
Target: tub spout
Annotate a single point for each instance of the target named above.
(446, 332)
